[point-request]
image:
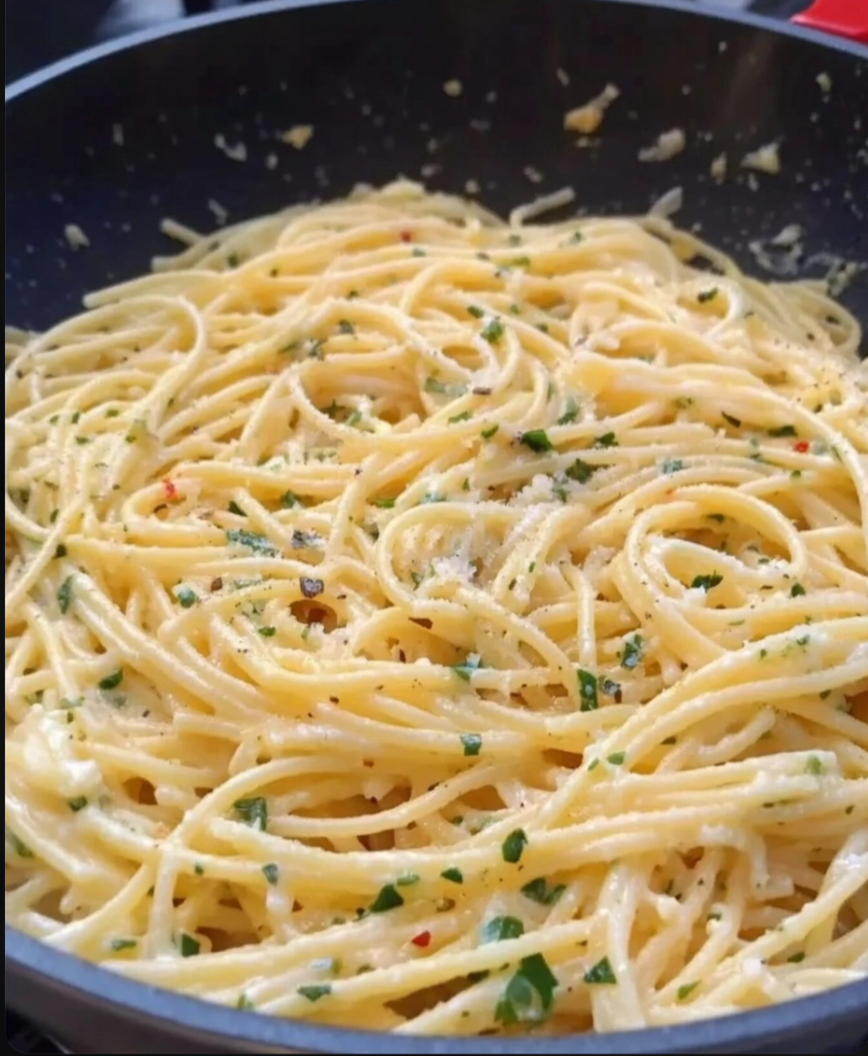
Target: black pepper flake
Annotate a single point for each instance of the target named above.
(311, 587)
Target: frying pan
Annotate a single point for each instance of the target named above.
(158, 124)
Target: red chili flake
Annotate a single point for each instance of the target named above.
(802, 446)
(422, 940)
(170, 490)
(406, 236)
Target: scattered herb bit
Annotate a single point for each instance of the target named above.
(609, 688)
(199, 869)
(111, 681)
(587, 690)
(814, 765)
(487, 434)
(431, 497)
(500, 929)
(60, 550)
(475, 311)
(123, 944)
(493, 331)
(580, 471)
(441, 387)
(541, 891)
(783, 430)
(731, 418)
(407, 880)
(718, 518)
(571, 412)
(305, 540)
(601, 974)
(267, 632)
(518, 262)
(253, 812)
(632, 652)
(345, 327)
(271, 873)
(529, 994)
(311, 587)
(18, 846)
(465, 670)
(472, 743)
(258, 543)
(233, 507)
(453, 875)
(64, 595)
(594, 763)
(289, 499)
(537, 440)
(244, 1003)
(77, 804)
(606, 440)
(388, 898)
(671, 465)
(187, 597)
(704, 296)
(706, 583)
(385, 504)
(463, 417)
(616, 758)
(796, 958)
(797, 590)
(685, 991)
(513, 846)
(315, 992)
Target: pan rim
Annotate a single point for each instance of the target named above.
(174, 1011)
(264, 7)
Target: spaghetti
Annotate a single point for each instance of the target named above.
(421, 622)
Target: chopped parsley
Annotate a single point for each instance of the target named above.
(537, 440)
(18, 846)
(316, 991)
(671, 465)
(187, 597)
(472, 743)
(289, 499)
(311, 587)
(513, 846)
(783, 430)
(387, 898)
(271, 873)
(465, 670)
(814, 765)
(305, 540)
(123, 944)
(244, 1003)
(435, 385)
(258, 543)
(267, 632)
(493, 331)
(706, 583)
(233, 507)
(529, 994)
(587, 690)
(610, 688)
(430, 497)
(541, 891)
(606, 440)
(686, 990)
(463, 417)
(500, 929)
(796, 958)
(580, 471)
(601, 974)
(571, 412)
(345, 327)
(64, 595)
(111, 681)
(475, 311)
(253, 812)
(385, 504)
(77, 804)
(453, 875)
(487, 434)
(797, 590)
(407, 880)
(704, 296)
(736, 422)
(632, 652)
(616, 758)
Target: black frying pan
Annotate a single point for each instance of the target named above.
(368, 74)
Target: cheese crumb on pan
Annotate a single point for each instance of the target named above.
(667, 145)
(588, 118)
(298, 136)
(238, 152)
(765, 159)
(718, 168)
(453, 88)
(75, 236)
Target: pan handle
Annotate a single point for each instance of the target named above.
(841, 18)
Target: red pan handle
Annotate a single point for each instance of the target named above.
(841, 18)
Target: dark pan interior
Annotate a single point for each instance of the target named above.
(369, 76)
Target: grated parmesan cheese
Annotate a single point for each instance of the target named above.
(221, 213)
(298, 136)
(718, 168)
(765, 159)
(453, 88)
(588, 118)
(666, 146)
(75, 236)
(824, 81)
(238, 152)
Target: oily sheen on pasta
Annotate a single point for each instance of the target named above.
(428, 623)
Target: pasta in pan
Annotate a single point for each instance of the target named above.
(430, 623)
